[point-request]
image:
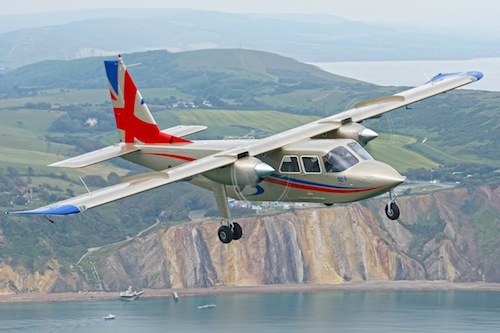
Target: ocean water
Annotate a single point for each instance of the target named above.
(416, 72)
(302, 312)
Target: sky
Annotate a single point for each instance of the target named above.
(474, 13)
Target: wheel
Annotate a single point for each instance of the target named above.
(237, 231)
(393, 214)
(225, 234)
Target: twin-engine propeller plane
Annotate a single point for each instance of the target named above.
(323, 161)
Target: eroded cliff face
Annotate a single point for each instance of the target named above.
(18, 279)
(306, 246)
(448, 235)
(442, 236)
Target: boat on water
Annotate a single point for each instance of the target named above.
(110, 317)
(130, 295)
(207, 306)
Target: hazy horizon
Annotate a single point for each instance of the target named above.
(479, 14)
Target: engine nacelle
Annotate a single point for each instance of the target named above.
(356, 132)
(245, 171)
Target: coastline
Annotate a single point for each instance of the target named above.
(264, 289)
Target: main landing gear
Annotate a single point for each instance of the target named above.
(392, 209)
(229, 232)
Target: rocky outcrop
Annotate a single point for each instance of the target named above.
(448, 235)
(435, 238)
(18, 279)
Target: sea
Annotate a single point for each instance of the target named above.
(415, 72)
(338, 311)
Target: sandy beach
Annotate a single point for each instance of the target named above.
(286, 288)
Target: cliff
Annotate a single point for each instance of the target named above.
(448, 235)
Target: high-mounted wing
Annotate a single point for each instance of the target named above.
(438, 84)
(135, 185)
(364, 110)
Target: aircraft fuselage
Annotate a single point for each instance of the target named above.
(364, 178)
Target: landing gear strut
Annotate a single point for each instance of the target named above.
(392, 209)
(229, 230)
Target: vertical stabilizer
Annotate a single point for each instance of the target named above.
(133, 118)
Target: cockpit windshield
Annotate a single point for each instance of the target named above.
(360, 151)
(339, 159)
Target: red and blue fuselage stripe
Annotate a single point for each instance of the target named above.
(313, 186)
(291, 182)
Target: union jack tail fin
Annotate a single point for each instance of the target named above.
(133, 118)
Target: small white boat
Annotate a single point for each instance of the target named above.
(110, 317)
(130, 295)
(207, 306)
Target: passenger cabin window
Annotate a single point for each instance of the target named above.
(311, 164)
(360, 151)
(290, 164)
(339, 159)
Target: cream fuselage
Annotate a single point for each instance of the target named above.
(365, 179)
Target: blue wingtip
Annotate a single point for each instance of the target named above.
(49, 210)
(442, 76)
(476, 74)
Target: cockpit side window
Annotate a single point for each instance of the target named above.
(311, 164)
(339, 159)
(290, 164)
(360, 151)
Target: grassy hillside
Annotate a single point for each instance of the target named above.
(242, 79)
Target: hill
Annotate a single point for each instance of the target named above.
(312, 38)
(248, 79)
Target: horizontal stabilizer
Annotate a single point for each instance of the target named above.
(183, 130)
(96, 156)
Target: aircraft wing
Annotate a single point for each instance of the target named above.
(438, 84)
(132, 186)
(363, 110)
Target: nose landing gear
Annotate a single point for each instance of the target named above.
(392, 209)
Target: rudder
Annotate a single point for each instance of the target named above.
(134, 121)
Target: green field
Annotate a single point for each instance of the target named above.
(390, 148)
(23, 133)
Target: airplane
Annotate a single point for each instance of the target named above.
(322, 162)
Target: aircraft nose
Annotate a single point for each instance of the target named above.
(390, 178)
(380, 174)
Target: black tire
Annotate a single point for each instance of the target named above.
(394, 214)
(237, 231)
(225, 234)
